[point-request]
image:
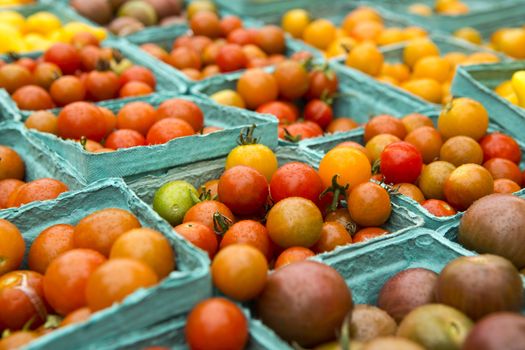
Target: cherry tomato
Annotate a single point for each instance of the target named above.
(257, 156)
(319, 112)
(204, 213)
(199, 235)
(241, 36)
(292, 255)
(369, 233)
(333, 235)
(216, 324)
(296, 180)
(369, 204)
(229, 24)
(64, 56)
(294, 221)
(243, 189)
(438, 207)
(283, 112)
(102, 85)
(124, 138)
(351, 167)
(248, 232)
(292, 79)
(323, 83)
(303, 130)
(401, 162)
(231, 57)
(138, 73)
(499, 145)
(22, 299)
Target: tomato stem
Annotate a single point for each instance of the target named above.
(52, 322)
(290, 137)
(221, 223)
(246, 136)
(376, 167)
(337, 190)
(205, 194)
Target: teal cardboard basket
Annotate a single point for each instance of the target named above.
(140, 160)
(357, 98)
(40, 161)
(478, 82)
(170, 334)
(173, 296)
(200, 172)
(320, 146)
(165, 82)
(368, 269)
(485, 16)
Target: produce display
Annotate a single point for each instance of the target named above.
(14, 191)
(423, 71)
(136, 124)
(39, 31)
(127, 17)
(221, 45)
(190, 174)
(67, 73)
(292, 86)
(359, 25)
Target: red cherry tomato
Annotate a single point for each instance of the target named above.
(296, 180)
(401, 162)
(318, 112)
(65, 56)
(243, 189)
(231, 57)
(125, 138)
(303, 130)
(499, 145)
(438, 207)
(280, 110)
(322, 83)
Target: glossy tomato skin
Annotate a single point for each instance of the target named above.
(296, 180)
(322, 83)
(243, 189)
(231, 57)
(81, 119)
(102, 85)
(64, 56)
(497, 145)
(216, 324)
(283, 112)
(319, 112)
(438, 207)
(401, 162)
(21, 299)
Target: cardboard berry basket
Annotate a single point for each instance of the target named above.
(173, 296)
(171, 334)
(164, 82)
(485, 16)
(200, 172)
(394, 54)
(357, 97)
(136, 161)
(479, 81)
(164, 38)
(366, 270)
(321, 146)
(40, 161)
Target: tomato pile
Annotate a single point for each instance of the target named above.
(361, 24)
(74, 271)
(424, 71)
(300, 95)
(14, 192)
(282, 214)
(447, 168)
(67, 73)
(220, 46)
(136, 124)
